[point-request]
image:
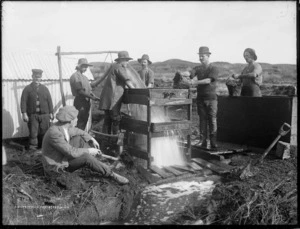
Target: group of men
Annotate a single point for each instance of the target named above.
(65, 144)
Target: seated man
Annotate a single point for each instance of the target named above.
(66, 147)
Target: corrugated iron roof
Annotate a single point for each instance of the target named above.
(18, 65)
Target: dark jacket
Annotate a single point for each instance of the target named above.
(28, 99)
(206, 91)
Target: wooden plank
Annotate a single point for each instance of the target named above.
(174, 171)
(147, 175)
(195, 166)
(165, 126)
(63, 99)
(137, 126)
(168, 93)
(206, 155)
(160, 172)
(138, 153)
(85, 53)
(184, 168)
(135, 99)
(165, 102)
(210, 166)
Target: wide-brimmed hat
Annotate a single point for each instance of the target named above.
(82, 61)
(145, 57)
(123, 55)
(37, 72)
(66, 114)
(204, 50)
(251, 52)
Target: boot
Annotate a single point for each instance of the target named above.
(203, 141)
(213, 141)
(120, 179)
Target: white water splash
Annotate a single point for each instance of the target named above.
(164, 150)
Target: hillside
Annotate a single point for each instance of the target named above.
(272, 74)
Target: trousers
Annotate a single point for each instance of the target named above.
(86, 160)
(83, 106)
(207, 111)
(38, 124)
(112, 118)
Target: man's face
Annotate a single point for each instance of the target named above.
(83, 68)
(36, 78)
(74, 122)
(124, 63)
(144, 63)
(204, 58)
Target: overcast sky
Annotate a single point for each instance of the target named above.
(164, 30)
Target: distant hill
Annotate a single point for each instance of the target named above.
(274, 74)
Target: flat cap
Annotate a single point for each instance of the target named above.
(37, 71)
(67, 114)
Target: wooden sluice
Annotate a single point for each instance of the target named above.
(163, 97)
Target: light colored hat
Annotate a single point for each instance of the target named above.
(144, 57)
(123, 55)
(82, 61)
(67, 114)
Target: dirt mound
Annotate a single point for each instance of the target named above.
(82, 197)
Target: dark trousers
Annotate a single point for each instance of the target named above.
(86, 160)
(38, 124)
(83, 106)
(112, 118)
(207, 111)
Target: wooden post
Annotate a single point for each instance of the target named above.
(149, 134)
(189, 113)
(60, 77)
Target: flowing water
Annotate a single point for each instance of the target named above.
(164, 150)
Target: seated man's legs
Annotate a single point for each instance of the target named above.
(90, 162)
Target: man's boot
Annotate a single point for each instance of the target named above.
(120, 179)
(213, 141)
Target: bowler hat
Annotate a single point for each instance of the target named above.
(123, 55)
(82, 61)
(145, 57)
(37, 72)
(204, 50)
(66, 114)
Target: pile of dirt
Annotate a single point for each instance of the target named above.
(82, 197)
(269, 197)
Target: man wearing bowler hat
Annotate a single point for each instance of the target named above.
(205, 78)
(82, 90)
(146, 74)
(37, 109)
(67, 148)
(111, 96)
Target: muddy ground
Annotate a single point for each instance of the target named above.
(82, 198)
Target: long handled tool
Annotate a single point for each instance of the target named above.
(282, 132)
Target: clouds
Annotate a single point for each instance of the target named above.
(164, 30)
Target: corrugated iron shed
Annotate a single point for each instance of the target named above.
(18, 65)
(16, 74)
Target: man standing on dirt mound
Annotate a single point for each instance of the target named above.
(205, 77)
(82, 90)
(68, 148)
(37, 109)
(118, 76)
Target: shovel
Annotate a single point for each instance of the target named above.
(282, 132)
